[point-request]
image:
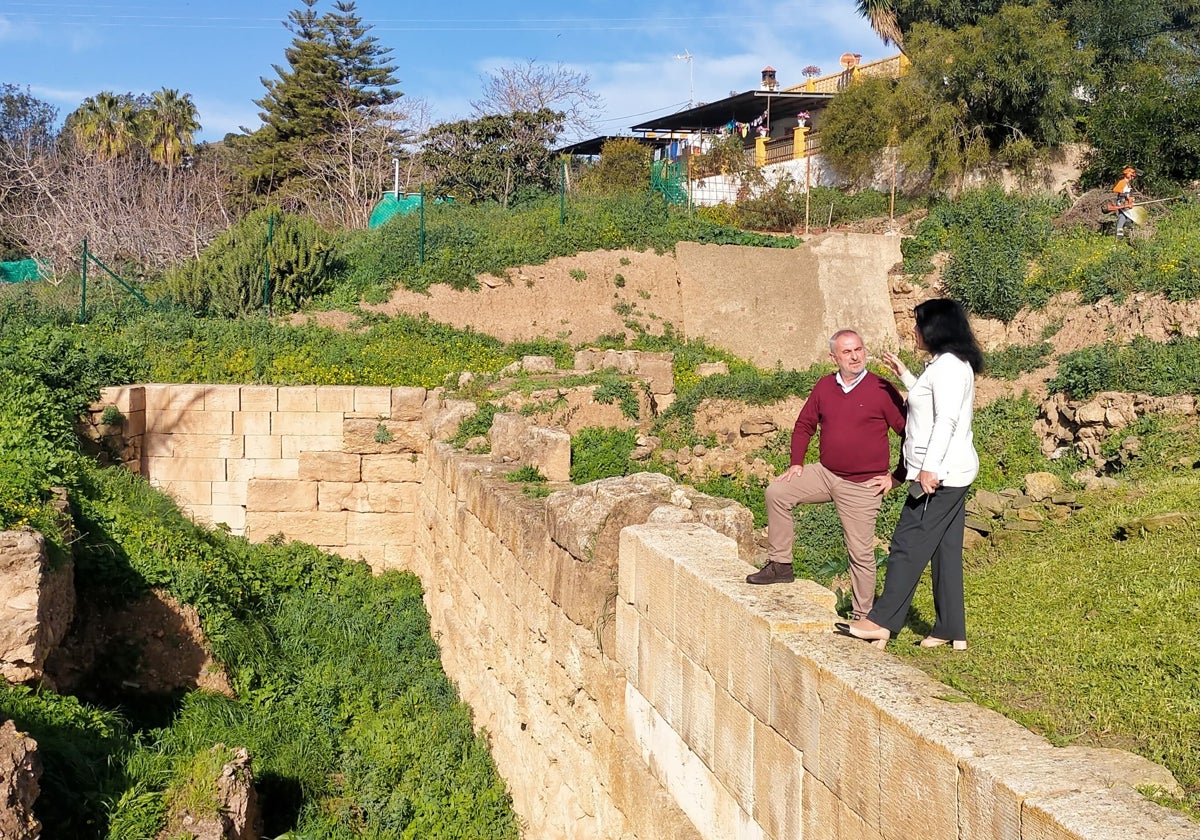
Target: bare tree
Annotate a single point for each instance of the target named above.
(347, 173)
(530, 87)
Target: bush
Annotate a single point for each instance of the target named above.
(991, 237)
(601, 453)
(1143, 365)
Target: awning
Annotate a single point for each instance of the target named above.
(592, 147)
(741, 107)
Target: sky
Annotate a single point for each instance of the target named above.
(644, 58)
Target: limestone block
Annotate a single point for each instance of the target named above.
(293, 446)
(206, 446)
(778, 783)
(306, 423)
(159, 445)
(127, 398)
(692, 591)
(655, 587)
(397, 468)
(549, 450)
(185, 469)
(698, 712)
(248, 468)
(919, 794)
(587, 520)
(232, 516)
(186, 422)
(381, 528)
(443, 424)
(330, 466)
(660, 673)
(661, 402)
(658, 373)
(407, 403)
(795, 704)
(187, 493)
(335, 398)
(175, 397)
(298, 399)
(262, 446)
(993, 787)
(538, 364)
(222, 398)
(506, 433)
(252, 423)
(374, 555)
(272, 495)
(399, 557)
(848, 751)
(374, 437)
(733, 748)
(259, 399)
(37, 604)
(827, 818)
(229, 493)
(320, 528)
(373, 400)
(1113, 814)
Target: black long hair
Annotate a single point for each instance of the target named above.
(944, 329)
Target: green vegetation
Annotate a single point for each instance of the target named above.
(339, 692)
(464, 242)
(1010, 362)
(1083, 633)
(1143, 365)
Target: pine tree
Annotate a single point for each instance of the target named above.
(335, 77)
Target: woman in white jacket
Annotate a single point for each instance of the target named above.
(941, 463)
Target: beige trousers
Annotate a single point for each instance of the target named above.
(857, 506)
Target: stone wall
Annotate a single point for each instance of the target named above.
(768, 305)
(652, 695)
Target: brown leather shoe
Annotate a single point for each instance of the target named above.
(773, 573)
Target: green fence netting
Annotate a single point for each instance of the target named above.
(20, 271)
(390, 205)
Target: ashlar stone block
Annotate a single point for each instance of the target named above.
(272, 495)
(394, 468)
(778, 783)
(330, 466)
(733, 748)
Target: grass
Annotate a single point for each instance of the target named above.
(1086, 637)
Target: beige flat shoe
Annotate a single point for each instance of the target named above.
(933, 641)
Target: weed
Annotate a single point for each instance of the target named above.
(578, 275)
(383, 434)
(619, 281)
(526, 473)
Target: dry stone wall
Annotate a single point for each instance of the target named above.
(646, 693)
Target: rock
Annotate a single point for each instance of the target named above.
(465, 379)
(707, 369)
(1022, 526)
(515, 439)
(376, 437)
(990, 503)
(20, 772)
(586, 521)
(757, 426)
(477, 444)
(1157, 522)
(979, 525)
(37, 603)
(236, 815)
(972, 539)
(1040, 486)
(538, 364)
(699, 450)
(1030, 514)
(1091, 413)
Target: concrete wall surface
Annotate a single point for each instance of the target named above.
(654, 695)
(769, 305)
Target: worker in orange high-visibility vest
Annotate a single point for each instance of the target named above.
(1123, 199)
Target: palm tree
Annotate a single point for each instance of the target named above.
(168, 125)
(882, 15)
(105, 125)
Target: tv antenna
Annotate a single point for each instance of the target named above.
(687, 56)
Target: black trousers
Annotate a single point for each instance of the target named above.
(930, 529)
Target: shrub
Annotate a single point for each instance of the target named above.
(1010, 362)
(601, 453)
(290, 253)
(1142, 365)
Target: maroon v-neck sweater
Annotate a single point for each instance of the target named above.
(854, 426)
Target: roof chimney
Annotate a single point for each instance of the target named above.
(768, 78)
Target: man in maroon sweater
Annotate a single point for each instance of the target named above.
(854, 409)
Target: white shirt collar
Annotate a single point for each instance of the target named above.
(847, 388)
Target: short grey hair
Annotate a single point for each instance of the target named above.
(833, 338)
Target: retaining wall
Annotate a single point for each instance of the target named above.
(660, 698)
